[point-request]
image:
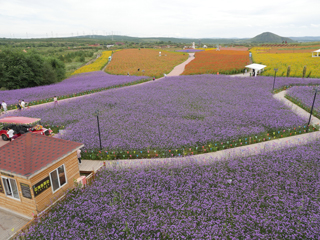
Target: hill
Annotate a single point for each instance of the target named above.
(268, 37)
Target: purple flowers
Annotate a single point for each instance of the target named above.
(271, 196)
(75, 84)
(305, 95)
(173, 112)
(189, 50)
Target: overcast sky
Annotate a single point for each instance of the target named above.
(162, 18)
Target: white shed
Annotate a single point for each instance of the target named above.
(316, 53)
(256, 67)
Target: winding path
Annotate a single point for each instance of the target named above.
(207, 158)
(175, 72)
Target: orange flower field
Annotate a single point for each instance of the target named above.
(225, 62)
(147, 61)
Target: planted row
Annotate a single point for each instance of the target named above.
(97, 154)
(81, 84)
(173, 113)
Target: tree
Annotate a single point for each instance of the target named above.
(21, 70)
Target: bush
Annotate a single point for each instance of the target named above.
(21, 70)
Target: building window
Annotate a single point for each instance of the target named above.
(58, 178)
(11, 188)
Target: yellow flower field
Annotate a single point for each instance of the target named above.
(296, 61)
(97, 65)
(144, 62)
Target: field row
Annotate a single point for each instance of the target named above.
(74, 86)
(175, 113)
(296, 62)
(224, 61)
(97, 65)
(144, 62)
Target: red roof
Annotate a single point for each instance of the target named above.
(33, 152)
(19, 120)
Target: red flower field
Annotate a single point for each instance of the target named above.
(225, 62)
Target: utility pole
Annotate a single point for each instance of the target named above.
(315, 94)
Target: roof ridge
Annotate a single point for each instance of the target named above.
(32, 152)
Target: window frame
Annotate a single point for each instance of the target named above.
(5, 189)
(57, 172)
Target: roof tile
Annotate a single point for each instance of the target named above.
(33, 152)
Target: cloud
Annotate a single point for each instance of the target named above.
(198, 19)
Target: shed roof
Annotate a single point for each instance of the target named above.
(256, 66)
(317, 50)
(33, 152)
(19, 120)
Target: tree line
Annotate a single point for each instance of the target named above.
(20, 69)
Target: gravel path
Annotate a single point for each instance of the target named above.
(296, 109)
(178, 70)
(244, 151)
(207, 158)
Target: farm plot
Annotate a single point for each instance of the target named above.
(176, 112)
(82, 83)
(225, 62)
(144, 62)
(97, 65)
(269, 196)
(190, 50)
(283, 59)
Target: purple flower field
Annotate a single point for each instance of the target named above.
(74, 84)
(305, 95)
(174, 112)
(189, 50)
(269, 196)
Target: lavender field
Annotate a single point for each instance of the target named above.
(189, 50)
(174, 112)
(305, 96)
(75, 84)
(269, 196)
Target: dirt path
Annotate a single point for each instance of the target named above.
(178, 70)
(207, 158)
